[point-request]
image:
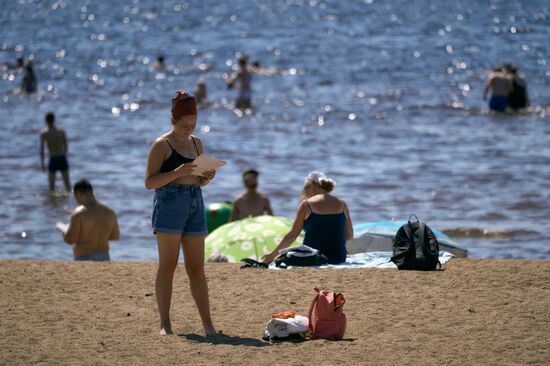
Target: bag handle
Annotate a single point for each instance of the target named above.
(418, 221)
(310, 310)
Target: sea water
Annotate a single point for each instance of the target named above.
(385, 97)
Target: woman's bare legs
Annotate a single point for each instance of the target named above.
(169, 250)
(193, 252)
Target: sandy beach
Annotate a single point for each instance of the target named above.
(473, 312)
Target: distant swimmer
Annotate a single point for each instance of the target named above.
(258, 68)
(56, 140)
(518, 97)
(500, 85)
(159, 63)
(19, 64)
(251, 202)
(200, 93)
(92, 225)
(242, 78)
(29, 82)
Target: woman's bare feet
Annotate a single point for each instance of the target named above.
(166, 330)
(209, 330)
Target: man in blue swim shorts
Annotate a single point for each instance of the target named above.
(500, 85)
(56, 140)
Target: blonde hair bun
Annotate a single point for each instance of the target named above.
(321, 180)
(327, 184)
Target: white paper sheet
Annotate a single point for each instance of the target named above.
(62, 227)
(205, 163)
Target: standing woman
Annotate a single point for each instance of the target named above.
(178, 213)
(324, 218)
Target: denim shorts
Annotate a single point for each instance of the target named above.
(179, 209)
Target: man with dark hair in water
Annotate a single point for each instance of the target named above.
(500, 86)
(92, 225)
(518, 97)
(251, 202)
(56, 140)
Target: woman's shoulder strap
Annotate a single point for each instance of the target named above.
(168, 142)
(307, 203)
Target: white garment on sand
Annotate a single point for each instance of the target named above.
(281, 328)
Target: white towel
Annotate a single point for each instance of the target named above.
(282, 328)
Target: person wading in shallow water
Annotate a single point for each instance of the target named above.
(178, 210)
(243, 79)
(56, 140)
(500, 85)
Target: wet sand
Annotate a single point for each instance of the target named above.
(474, 312)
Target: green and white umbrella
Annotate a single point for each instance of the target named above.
(249, 238)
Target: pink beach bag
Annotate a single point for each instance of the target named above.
(326, 315)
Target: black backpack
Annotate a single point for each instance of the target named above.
(415, 247)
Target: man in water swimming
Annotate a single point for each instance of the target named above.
(92, 225)
(56, 140)
(29, 82)
(250, 203)
(243, 79)
(500, 85)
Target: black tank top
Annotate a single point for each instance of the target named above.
(327, 234)
(176, 159)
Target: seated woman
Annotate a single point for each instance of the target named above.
(324, 218)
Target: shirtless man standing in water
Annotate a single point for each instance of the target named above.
(250, 203)
(500, 85)
(92, 226)
(56, 139)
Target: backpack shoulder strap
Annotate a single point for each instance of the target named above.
(421, 231)
(310, 310)
(310, 313)
(421, 235)
(408, 230)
